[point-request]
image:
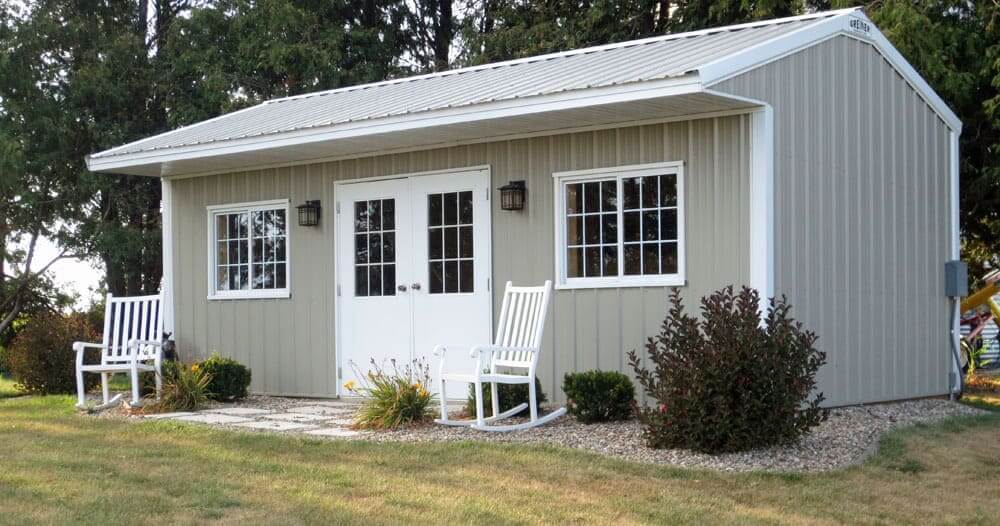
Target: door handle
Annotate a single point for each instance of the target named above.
(415, 286)
(401, 288)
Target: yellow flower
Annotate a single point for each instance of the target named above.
(349, 385)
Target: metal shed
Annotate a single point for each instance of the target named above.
(801, 156)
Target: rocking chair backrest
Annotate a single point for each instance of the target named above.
(127, 319)
(522, 320)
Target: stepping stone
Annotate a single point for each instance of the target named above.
(239, 411)
(333, 432)
(337, 403)
(275, 425)
(213, 418)
(167, 416)
(343, 422)
(297, 417)
(321, 410)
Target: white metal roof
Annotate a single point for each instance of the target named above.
(339, 114)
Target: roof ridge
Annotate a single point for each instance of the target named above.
(569, 53)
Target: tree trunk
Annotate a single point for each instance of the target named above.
(444, 33)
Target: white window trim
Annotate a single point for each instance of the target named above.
(211, 212)
(559, 181)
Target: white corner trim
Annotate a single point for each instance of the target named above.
(167, 233)
(560, 179)
(762, 202)
(953, 165)
(211, 238)
(851, 23)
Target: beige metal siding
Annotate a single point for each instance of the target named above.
(862, 217)
(289, 343)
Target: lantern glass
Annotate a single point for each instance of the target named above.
(512, 196)
(309, 213)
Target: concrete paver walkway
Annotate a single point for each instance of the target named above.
(329, 418)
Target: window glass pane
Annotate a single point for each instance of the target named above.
(388, 214)
(668, 257)
(234, 253)
(574, 263)
(650, 258)
(451, 242)
(630, 187)
(609, 261)
(389, 280)
(465, 242)
(360, 280)
(375, 248)
(609, 228)
(361, 248)
(650, 226)
(258, 251)
(631, 226)
(592, 229)
(668, 190)
(266, 279)
(668, 224)
(389, 247)
(465, 208)
(609, 196)
(375, 280)
(279, 222)
(234, 278)
(451, 276)
(574, 198)
(650, 191)
(451, 208)
(592, 261)
(258, 276)
(633, 260)
(434, 210)
(222, 255)
(574, 230)
(221, 231)
(280, 276)
(591, 197)
(436, 277)
(375, 215)
(435, 243)
(222, 278)
(279, 250)
(361, 216)
(465, 275)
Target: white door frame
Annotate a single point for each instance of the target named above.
(338, 343)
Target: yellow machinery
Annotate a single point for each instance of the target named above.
(972, 343)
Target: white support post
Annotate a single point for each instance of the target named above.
(762, 202)
(955, 252)
(166, 214)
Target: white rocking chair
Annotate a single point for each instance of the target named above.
(133, 328)
(517, 345)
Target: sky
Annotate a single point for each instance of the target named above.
(73, 276)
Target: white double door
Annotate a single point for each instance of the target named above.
(413, 259)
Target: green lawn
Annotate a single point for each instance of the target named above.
(60, 467)
(7, 388)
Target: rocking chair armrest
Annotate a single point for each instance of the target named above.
(79, 347)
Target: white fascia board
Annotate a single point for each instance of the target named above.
(851, 23)
(504, 109)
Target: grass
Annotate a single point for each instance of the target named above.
(60, 467)
(8, 389)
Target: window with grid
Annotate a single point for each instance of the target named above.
(449, 243)
(251, 251)
(621, 226)
(375, 247)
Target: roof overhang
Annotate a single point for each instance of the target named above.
(638, 102)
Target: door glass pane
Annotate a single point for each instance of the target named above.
(450, 244)
(375, 247)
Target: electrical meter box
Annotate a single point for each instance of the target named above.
(956, 279)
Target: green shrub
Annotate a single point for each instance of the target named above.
(394, 398)
(230, 379)
(41, 358)
(599, 396)
(727, 382)
(510, 395)
(184, 389)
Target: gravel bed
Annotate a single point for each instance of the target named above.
(848, 437)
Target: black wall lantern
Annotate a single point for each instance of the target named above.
(309, 213)
(512, 195)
